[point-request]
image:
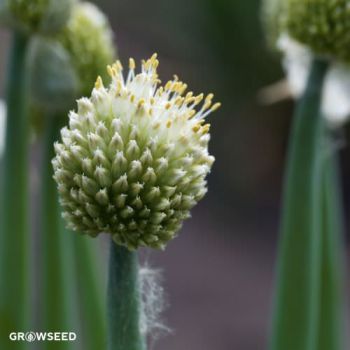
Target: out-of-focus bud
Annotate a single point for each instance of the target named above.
(54, 83)
(322, 25)
(43, 16)
(65, 67)
(88, 38)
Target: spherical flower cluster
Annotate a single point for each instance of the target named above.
(45, 16)
(133, 160)
(322, 25)
(88, 38)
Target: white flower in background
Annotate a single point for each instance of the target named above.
(336, 92)
(134, 158)
(3, 112)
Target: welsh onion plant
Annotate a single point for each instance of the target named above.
(308, 312)
(132, 163)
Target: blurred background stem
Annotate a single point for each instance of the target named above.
(123, 300)
(295, 323)
(90, 289)
(331, 330)
(72, 286)
(58, 274)
(14, 221)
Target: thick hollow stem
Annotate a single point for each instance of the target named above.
(123, 301)
(331, 331)
(14, 224)
(296, 314)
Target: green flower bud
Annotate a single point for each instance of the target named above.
(66, 66)
(322, 25)
(133, 161)
(89, 40)
(44, 16)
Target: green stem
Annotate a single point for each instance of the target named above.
(92, 310)
(331, 335)
(14, 229)
(295, 323)
(123, 301)
(58, 274)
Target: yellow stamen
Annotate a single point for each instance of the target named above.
(110, 71)
(215, 106)
(99, 83)
(209, 98)
(205, 129)
(196, 128)
(132, 64)
(141, 102)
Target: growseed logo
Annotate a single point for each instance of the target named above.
(31, 337)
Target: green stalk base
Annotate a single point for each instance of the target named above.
(295, 324)
(14, 223)
(123, 301)
(332, 316)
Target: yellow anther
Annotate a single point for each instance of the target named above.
(189, 94)
(141, 102)
(198, 99)
(132, 64)
(189, 100)
(205, 129)
(168, 105)
(196, 128)
(209, 97)
(191, 114)
(155, 64)
(118, 66)
(215, 106)
(132, 98)
(152, 101)
(206, 105)
(156, 125)
(168, 85)
(110, 71)
(168, 123)
(179, 100)
(98, 83)
(183, 89)
(154, 57)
